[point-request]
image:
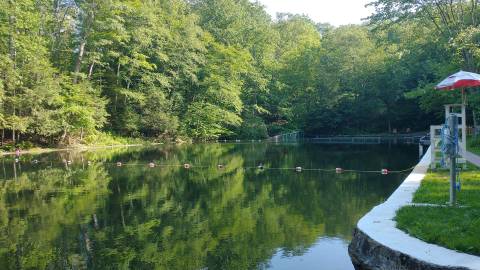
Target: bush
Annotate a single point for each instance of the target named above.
(101, 138)
(25, 145)
(8, 147)
(252, 128)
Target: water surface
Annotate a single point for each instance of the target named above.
(72, 210)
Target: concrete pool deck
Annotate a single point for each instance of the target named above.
(378, 244)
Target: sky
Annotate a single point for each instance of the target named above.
(335, 12)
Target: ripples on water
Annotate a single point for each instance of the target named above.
(55, 215)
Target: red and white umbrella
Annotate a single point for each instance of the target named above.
(460, 79)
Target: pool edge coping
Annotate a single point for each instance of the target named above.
(380, 226)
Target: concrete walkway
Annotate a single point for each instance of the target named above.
(379, 225)
(470, 157)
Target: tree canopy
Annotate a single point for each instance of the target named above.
(209, 69)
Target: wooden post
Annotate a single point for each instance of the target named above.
(453, 128)
(464, 128)
(432, 147)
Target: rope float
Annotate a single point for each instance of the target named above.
(260, 167)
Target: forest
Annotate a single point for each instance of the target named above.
(80, 71)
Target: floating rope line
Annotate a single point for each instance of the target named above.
(188, 166)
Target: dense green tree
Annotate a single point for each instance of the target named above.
(209, 69)
(216, 104)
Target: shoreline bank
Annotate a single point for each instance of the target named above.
(35, 151)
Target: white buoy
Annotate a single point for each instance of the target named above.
(119, 164)
(186, 166)
(298, 169)
(339, 170)
(151, 165)
(385, 171)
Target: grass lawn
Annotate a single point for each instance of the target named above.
(455, 228)
(473, 145)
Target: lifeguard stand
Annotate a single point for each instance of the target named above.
(435, 133)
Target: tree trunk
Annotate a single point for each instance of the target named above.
(64, 135)
(87, 26)
(90, 70)
(118, 71)
(13, 56)
(78, 62)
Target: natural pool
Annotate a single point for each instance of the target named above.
(60, 211)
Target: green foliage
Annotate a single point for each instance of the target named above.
(106, 139)
(209, 69)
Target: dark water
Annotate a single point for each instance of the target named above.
(55, 215)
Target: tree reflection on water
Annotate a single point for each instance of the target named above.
(55, 215)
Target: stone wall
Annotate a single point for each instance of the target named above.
(367, 254)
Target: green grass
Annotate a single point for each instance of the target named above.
(455, 228)
(435, 188)
(473, 145)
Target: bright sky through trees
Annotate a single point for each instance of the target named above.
(336, 12)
